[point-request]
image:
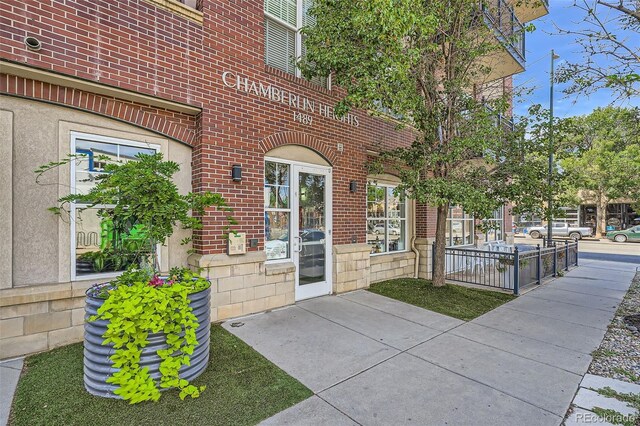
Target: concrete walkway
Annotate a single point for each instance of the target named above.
(371, 360)
(9, 375)
(589, 397)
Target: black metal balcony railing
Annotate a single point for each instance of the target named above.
(501, 120)
(500, 16)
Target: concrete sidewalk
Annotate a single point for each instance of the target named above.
(372, 360)
(9, 375)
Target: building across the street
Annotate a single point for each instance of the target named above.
(618, 216)
(210, 85)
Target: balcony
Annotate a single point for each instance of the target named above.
(504, 124)
(502, 121)
(509, 31)
(528, 11)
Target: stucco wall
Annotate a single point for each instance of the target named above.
(37, 134)
(6, 196)
(40, 307)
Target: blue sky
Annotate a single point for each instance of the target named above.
(538, 48)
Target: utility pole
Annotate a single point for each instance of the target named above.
(550, 176)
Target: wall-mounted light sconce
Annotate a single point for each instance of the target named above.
(353, 186)
(236, 172)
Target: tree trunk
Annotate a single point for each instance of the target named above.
(440, 243)
(601, 215)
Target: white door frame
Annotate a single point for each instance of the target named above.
(323, 287)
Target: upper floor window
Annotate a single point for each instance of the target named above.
(386, 219)
(283, 41)
(102, 243)
(460, 227)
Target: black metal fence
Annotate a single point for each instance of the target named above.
(509, 268)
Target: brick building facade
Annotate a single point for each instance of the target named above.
(191, 81)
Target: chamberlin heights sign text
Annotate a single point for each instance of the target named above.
(305, 107)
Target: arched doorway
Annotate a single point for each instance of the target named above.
(298, 216)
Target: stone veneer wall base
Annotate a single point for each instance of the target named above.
(35, 319)
(245, 284)
(43, 317)
(425, 247)
(351, 267)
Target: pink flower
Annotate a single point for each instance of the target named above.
(156, 281)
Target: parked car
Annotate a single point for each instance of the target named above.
(379, 229)
(631, 234)
(561, 230)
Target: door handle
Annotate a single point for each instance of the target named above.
(299, 243)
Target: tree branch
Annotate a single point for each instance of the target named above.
(621, 8)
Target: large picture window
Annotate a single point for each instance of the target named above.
(100, 243)
(386, 219)
(283, 41)
(460, 227)
(277, 210)
(495, 228)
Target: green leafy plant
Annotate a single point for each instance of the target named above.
(143, 195)
(138, 304)
(547, 261)
(146, 208)
(504, 263)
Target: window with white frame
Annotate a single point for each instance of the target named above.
(100, 243)
(495, 226)
(460, 227)
(386, 219)
(277, 210)
(283, 40)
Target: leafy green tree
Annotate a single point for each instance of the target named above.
(425, 64)
(609, 39)
(532, 187)
(606, 162)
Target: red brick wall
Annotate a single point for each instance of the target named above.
(130, 44)
(175, 125)
(243, 127)
(136, 46)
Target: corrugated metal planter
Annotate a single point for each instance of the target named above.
(98, 366)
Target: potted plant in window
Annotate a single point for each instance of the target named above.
(144, 331)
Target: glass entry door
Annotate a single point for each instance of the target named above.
(311, 230)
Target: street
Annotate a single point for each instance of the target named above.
(600, 250)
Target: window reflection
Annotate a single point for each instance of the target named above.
(386, 219)
(495, 226)
(277, 210)
(102, 242)
(459, 228)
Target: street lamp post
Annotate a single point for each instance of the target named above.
(550, 176)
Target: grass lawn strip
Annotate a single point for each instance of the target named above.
(455, 301)
(243, 388)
